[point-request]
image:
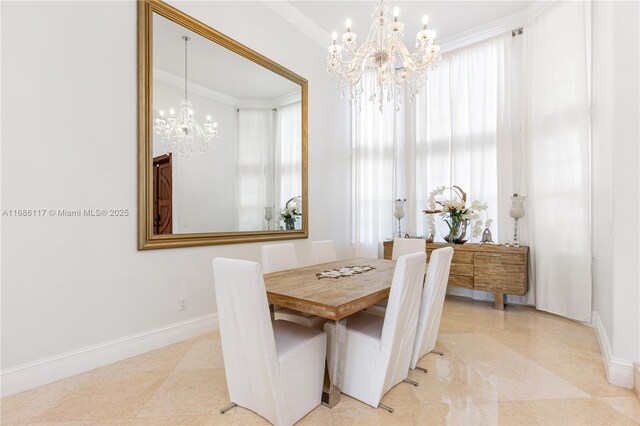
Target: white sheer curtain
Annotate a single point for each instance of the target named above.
(557, 158)
(463, 133)
(255, 157)
(288, 154)
(460, 126)
(375, 135)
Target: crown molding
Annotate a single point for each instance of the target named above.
(494, 28)
(174, 80)
(287, 99)
(302, 22)
(474, 35)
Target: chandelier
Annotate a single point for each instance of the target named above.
(383, 54)
(178, 133)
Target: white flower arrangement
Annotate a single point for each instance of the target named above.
(455, 210)
(292, 208)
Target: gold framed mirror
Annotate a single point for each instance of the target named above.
(222, 138)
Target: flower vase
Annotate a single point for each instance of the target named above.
(290, 224)
(454, 230)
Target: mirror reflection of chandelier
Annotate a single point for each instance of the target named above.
(178, 133)
(384, 54)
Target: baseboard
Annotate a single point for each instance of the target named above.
(619, 371)
(30, 375)
(636, 374)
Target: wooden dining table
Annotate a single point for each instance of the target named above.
(304, 290)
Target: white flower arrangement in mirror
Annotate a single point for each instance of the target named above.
(454, 210)
(292, 208)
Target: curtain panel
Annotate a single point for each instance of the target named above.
(557, 151)
(255, 160)
(377, 135)
(288, 154)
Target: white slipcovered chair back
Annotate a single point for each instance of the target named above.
(433, 294)
(401, 318)
(402, 246)
(275, 369)
(248, 343)
(323, 252)
(278, 257)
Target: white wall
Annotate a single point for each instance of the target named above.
(616, 137)
(69, 141)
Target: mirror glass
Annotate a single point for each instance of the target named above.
(226, 139)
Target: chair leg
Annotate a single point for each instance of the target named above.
(411, 382)
(422, 369)
(228, 407)
(385, 407)
(437, 353)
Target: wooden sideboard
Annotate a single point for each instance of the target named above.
(487, 267)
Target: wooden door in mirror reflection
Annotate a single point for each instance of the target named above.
(162, 195)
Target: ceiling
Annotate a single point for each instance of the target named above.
(448, 18)
(213, 66)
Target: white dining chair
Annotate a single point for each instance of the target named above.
(376, 350)
(323, 252)
(275, 369)
(402, 246)
(280, 257)
(431, 304)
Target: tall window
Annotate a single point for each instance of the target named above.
(255, 154)
(458, 124)
(288, 155)
(375, 135)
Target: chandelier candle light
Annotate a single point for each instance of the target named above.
(178, 133)
(385, 54)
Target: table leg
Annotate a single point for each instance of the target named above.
(500, 301)
(333, 372)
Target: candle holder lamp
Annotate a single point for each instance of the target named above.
(516, 212)
(398, 212)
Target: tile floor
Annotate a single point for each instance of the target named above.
(515, 367)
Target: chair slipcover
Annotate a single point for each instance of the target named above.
(275, 370)
(278, 257)
(323, 252)
(377, 351)
(433, 293)
(402, 246)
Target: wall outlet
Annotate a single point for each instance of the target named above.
(182, 303)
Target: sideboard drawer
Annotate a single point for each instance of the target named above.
(491, 260)
(461, 269)
(502, 282)
(461, 257)
(458, 281)
(506, 273)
